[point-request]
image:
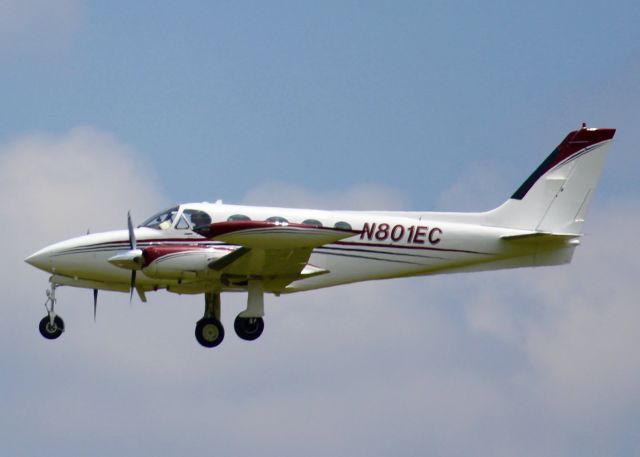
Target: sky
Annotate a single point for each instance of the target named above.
(116, 106)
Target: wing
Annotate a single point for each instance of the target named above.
(278, 253)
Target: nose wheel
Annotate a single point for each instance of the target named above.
(51, 326)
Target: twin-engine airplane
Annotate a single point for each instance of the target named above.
(210, 248)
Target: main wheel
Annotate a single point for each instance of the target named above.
(49, 331)
(248, 328)
(209, 332)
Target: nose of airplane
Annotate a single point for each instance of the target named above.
(41, 259)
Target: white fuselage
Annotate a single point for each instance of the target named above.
(384, 245)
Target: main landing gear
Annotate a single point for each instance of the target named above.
(248, 328)
(209, 329)
(51, 326)
(248, 324)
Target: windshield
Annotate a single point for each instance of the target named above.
(162, 220)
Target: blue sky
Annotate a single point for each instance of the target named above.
(404, 95)
(110, 106)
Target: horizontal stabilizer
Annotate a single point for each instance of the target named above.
(544, 237)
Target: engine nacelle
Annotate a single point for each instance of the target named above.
(179, 262)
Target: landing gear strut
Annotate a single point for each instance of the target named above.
(51, 326)
(209, 330)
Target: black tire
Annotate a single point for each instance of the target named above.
(209, 332)
(51, 332)
(248, 328)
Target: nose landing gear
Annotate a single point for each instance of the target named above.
(51, 326)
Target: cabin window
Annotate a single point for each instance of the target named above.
(238, 217)
(282, 220)
(314, 222)
(342, 225)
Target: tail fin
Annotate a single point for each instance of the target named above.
(555, 198)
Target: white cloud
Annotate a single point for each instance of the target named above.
(38, 25)
(63, 185)
(575, 328)
(584, 351)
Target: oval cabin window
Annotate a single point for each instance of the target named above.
(314, 222)
(238, 217)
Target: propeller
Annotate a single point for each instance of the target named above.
(133, 259)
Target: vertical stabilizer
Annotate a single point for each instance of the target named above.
(555, 198)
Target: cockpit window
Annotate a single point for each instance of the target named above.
(196, 218)
(162, 220)
(182, 224)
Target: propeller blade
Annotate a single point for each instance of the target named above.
(133, 285)
(95, 303)
(132, 244)
(132, 234)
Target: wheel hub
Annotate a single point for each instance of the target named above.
(51, 328)
(251, 325)
(210, 332)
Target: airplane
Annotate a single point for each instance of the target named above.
(211, 248)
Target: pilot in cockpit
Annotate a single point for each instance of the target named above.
(199, 218)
